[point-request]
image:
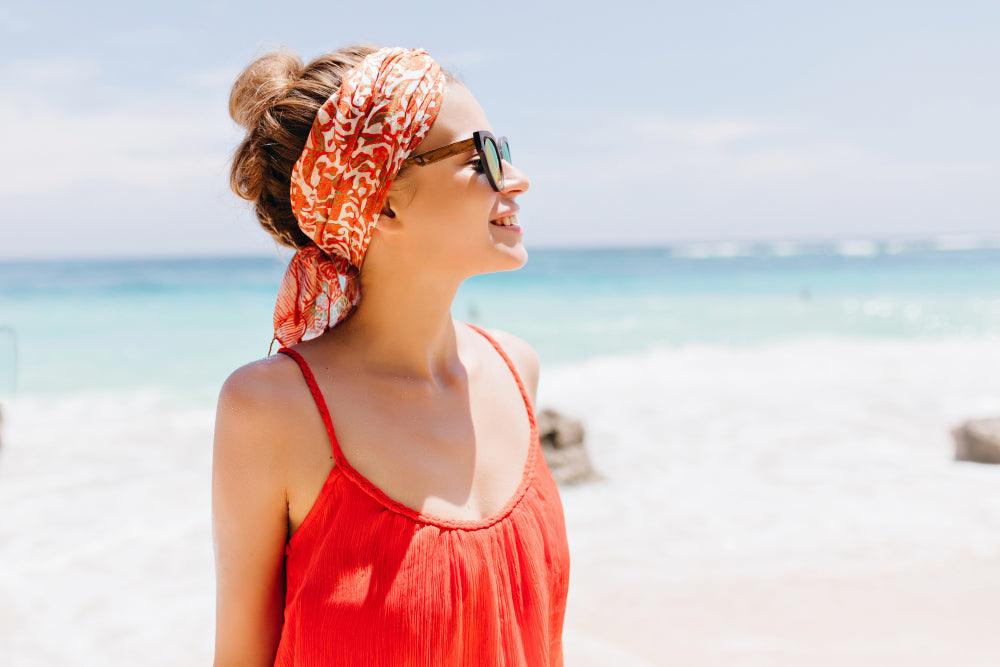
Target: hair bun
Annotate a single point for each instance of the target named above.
(275, 99)
(264, 81)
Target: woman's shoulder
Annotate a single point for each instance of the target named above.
(263, 399)
(522, 354)
(263, 382)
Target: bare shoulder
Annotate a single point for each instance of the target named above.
(259, 401)
(523, 355)
(268, 384)
(256, 409)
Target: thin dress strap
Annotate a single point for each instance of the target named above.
(318, 398)
(325, 412)
(513, 370)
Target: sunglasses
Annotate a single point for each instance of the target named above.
(490, 149)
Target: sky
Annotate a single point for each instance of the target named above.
(636, 123)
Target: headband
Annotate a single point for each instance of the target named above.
(385, 105)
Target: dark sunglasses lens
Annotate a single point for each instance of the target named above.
(493, 162)
(505, 149)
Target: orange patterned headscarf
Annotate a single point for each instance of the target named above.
(362, 133)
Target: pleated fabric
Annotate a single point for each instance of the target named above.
(373, 582)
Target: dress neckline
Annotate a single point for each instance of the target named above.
(344, 467)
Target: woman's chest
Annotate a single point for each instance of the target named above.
(366, 569)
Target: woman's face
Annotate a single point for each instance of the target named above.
(443, 210)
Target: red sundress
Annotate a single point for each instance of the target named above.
(370, 581)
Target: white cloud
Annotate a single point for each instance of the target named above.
(457, 60)
(63, 126)
(218, 77)
(115, 171)
(742, 150)
(664, 177)
(24, 74)
(148, 144)
(698, 132)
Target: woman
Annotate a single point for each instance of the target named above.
(379, 492)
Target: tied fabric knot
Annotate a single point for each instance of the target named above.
(311, 298)
(383, 108)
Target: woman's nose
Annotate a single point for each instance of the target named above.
(514, 180)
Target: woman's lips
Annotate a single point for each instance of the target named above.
(513, 227)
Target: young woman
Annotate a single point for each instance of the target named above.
(379, 492)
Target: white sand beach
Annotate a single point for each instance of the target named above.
(789, 504)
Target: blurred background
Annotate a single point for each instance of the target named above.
(764, 276)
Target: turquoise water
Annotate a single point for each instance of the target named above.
(184, 324)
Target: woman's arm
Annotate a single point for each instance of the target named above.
(249, 519)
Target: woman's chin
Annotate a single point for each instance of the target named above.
(515, 255)
(509, 239)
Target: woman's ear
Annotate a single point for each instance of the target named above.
(387, 210)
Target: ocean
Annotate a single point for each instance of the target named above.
(771, 421)
(181, 325)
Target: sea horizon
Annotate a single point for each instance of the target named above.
(129, 322)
